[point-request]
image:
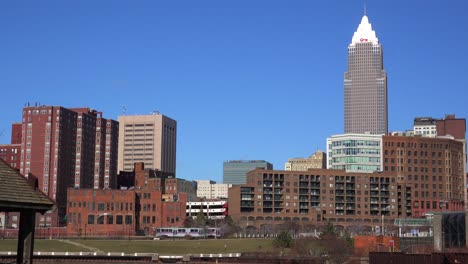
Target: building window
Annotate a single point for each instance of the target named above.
(90, 219)
(119, 219)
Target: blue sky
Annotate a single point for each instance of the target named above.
(243, 79)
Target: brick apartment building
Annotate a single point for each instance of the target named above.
(66, 148)
(434, 169)
(11, 154)
(147, 199)
(272, 198)
(419, 175)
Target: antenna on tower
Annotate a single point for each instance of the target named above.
(365, 9)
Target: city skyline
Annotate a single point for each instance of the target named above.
(243, 80)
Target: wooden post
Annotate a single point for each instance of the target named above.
(26, 237)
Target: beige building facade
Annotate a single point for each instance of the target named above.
(211, 190)
(315, 161)
(147, 138)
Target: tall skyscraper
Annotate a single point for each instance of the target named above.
(365, 84)
(150, 139)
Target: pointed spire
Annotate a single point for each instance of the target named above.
(364, 32)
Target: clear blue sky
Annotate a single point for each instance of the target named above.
(243, 79)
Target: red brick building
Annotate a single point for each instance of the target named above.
(11, 154)
(16, 129)
(312, 198)
(149, 206)
(433, 169)
(58, 145)
(452, 126)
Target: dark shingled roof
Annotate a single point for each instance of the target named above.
(16, 194)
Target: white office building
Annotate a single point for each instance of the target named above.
(355, 152)
(207, 189)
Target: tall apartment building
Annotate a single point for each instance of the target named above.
(355, 152)
(315, 161)
(211, 190)
(235, 171)
(150, 139)
(58, 147)
(365, 84)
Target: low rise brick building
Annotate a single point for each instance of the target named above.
(135, 209)
(309, 199)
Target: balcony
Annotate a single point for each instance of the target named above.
(278, 197)
(247, 190)
(315, 185)
(247, 204)
(339, 179)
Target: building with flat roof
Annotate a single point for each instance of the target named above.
(215, 210)
(59, 146)
(425, 126)
(210, 190)
(272, 198)
(11, 154)
(355, 152)
(150, 139)
(315, 161)
(235, 171)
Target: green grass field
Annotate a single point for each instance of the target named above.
(161, 247)
(41, 245)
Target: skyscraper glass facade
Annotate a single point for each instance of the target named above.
(235, 171)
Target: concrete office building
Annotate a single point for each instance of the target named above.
(355, 152)
(150, 139)
(315, 161)
(235, 171)
(365, 84)
(211, 190)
